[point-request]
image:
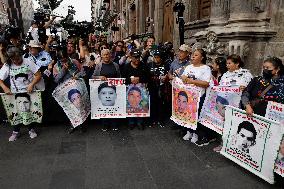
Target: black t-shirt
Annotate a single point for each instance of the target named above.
(108, 70)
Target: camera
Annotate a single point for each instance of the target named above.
(12, 32)
(81, 29)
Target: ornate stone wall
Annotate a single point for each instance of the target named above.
(27, 13)
(254, 29)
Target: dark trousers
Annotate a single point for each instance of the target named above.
(18, 127)
(110, 123)
(135, 121)
(157, 109)
(202, 131)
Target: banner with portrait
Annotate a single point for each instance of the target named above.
(251, 142)
(23, 108)
(72, 95)
(108, 98)
(213, 110)
(137, 101)
(185, 103)
(275, 111)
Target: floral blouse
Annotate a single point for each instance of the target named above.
(257, 86)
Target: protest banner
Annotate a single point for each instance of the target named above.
(251, 142)
(213, 110)
(73, 97)
(137, 101)
(23, 108)
(185, 103)
(275, 111)
(108, 98)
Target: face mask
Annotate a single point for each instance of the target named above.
(267, 74)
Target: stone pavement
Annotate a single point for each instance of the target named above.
(154, 158)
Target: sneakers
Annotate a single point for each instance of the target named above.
(202, 142)
(194, 138)
(160, 124)
(104, 129)
(187, 136)
(218, 149)
(14, 136)
(32, 134)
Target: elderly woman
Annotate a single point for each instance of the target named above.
(268, 87)
(24, 75)
(236, 75)
(103, 70)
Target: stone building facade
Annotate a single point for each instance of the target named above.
(4, 20)
(20, 13)
(135, 17)
(254, 29)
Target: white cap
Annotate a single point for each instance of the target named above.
(184, 47)
(34, 43)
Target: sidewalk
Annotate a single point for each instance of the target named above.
(153, 158)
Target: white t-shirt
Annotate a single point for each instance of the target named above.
(202, 73)
(240, 77)
(21, 76)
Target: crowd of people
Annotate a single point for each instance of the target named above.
(43, 65)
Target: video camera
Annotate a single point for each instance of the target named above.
(80, 29)
(12, 32)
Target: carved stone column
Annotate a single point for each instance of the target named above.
(158, 20)
(219, 13)
(244, 13)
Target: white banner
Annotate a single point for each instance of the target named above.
(108, 98)
(275, 111)
(138, 101)
(23, 108)
(73, 97)
(185, 103)
(213, 110)
(251, 142)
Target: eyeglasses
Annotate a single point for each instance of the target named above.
(103, 47)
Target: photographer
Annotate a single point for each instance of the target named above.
(66, 67)
(38, 28)
(118, 51)
(12, 37)
(88, 58)
(71, 50)
(148, 46)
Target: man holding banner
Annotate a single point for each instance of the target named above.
(104, 70)
(24, 108)
(137, 76)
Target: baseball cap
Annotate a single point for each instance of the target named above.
(135, 53)
(184, 47)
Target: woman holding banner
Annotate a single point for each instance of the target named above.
(235, 76)
(268, 87)
(198, 74)
(24, 75)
